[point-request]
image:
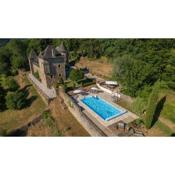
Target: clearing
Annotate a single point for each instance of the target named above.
(99, 67)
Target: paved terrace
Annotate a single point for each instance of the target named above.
(102, 124)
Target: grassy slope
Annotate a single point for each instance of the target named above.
(99, 67)
(45, 127)
(168, 111)
(10, 119)
(165, 126)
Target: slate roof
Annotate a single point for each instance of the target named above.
(49, 52)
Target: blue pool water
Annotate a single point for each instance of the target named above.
(104, 109)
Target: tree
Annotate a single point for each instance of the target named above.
(38, 45)
(132, 74)
(21, 99)
(17, 47)
(10, 101)
(9, 83)
(16, 100)
(4, 61)
(17, 62)
(76, 74)
(2, 98)
(152, 104)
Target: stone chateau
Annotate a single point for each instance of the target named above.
(50, 64)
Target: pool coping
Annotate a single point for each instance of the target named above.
(125, 117)
(122, 111)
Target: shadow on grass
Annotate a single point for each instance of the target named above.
(25, 88)
(29, 100)
(158, 110)
(18, 132)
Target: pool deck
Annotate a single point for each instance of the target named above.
(103, 124)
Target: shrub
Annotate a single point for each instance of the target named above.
(48, 118)
(139, 121)
(10, 101)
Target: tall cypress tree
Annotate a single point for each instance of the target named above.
(152, 104)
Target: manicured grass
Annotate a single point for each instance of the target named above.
(168, 110)
(125, 104)
(11, 119)
(163, 128)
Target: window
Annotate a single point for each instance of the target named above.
(59, 75)
(59, 65)
(46, 68)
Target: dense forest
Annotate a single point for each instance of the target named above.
(137, 63)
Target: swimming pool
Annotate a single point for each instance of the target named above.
(101, 107)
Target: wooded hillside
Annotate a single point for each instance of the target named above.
(137, 63)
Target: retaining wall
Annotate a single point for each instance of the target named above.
(91, 128)
(45, 98)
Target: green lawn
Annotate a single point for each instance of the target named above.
(166, 130)
(168, 110)
(11, 119)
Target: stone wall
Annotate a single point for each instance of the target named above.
(61, 71)
(92, 129)
(45, 98)
(35, 68)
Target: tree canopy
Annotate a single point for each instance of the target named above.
(136, 62)
(76, 74)
(16, 100)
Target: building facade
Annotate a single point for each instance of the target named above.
(50, 64)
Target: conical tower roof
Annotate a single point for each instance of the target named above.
(49, 52)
